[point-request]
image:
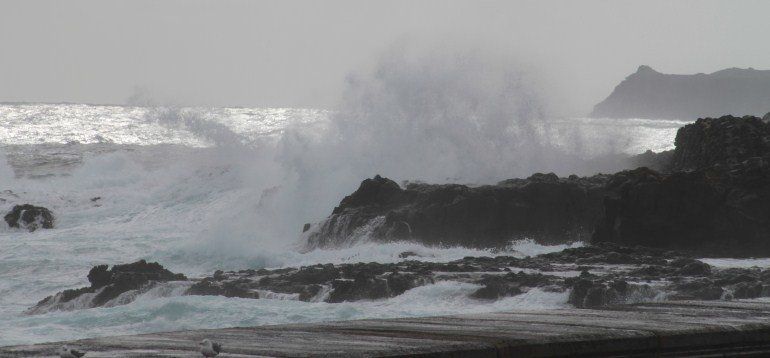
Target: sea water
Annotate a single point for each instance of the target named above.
(202, 189)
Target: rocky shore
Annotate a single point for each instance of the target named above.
(710, 195)
(595, 276)
(644, 227)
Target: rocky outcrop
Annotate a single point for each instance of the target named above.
(29, 217)
(721, 143)
(711, 195)
(716, 200)
(651, 94)
(107, 285)
(543, 206)
(591, 276)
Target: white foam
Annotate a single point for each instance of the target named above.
(231, 194)
(194, 312)
(741, 263)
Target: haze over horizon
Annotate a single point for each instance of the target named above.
(299, 53)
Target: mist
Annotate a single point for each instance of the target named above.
(444, 114)
(298, 53)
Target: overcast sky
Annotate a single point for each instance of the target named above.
(297, 53)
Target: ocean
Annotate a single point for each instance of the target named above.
(203, 189)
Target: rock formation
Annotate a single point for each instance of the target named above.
(716, 200)
(651, 94)
(542, 206)
(711, 194)
(603, 274)
(29, 217)
(107, 285)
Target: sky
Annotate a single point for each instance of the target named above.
(299, 53)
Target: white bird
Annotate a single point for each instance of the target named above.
(67, 352)
(209, 348)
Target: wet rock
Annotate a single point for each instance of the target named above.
(716, 200)
(212, 287)
(108, 284)
(510, 284)
(606, 284)
(720, 141)
(748, 290)
(696, 268)
(589, 294)
(407, 254)
(543, 206)
(711, 195)
(699, 289)
(29, 217)
(610, 253)
(495, 289)
(99, 276)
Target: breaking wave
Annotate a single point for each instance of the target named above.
(201, 189)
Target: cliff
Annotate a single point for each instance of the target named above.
(651, 94)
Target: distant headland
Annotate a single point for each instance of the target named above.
(650, 94)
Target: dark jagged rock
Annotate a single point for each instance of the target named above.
(651, 94)
(29, 217)
(696, 268)
(656, 161)
(698, 289)
(724, 142)
(711, 194)
(511, 284)
(107, 285)
(717, 200)
(214, 287)
(593, 294)
(543, 206)
(677, 276)
(611, 253)
(99, 276)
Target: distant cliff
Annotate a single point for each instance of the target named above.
(651, 94)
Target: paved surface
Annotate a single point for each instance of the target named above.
(686, 328)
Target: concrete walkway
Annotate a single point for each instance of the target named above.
(685, 328)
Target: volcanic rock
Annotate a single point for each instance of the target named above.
(29, 217)
(107, 285)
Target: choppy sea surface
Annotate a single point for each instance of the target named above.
(201, 189)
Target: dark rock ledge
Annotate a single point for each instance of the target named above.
(710, 195)
(603, 274)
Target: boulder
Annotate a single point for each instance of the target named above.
(29, 217)
(586, 293)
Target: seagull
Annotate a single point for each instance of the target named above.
(67, 352)
(209, 348)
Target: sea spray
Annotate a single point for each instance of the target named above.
(206, 189)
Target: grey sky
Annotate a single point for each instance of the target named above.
(297, 53)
